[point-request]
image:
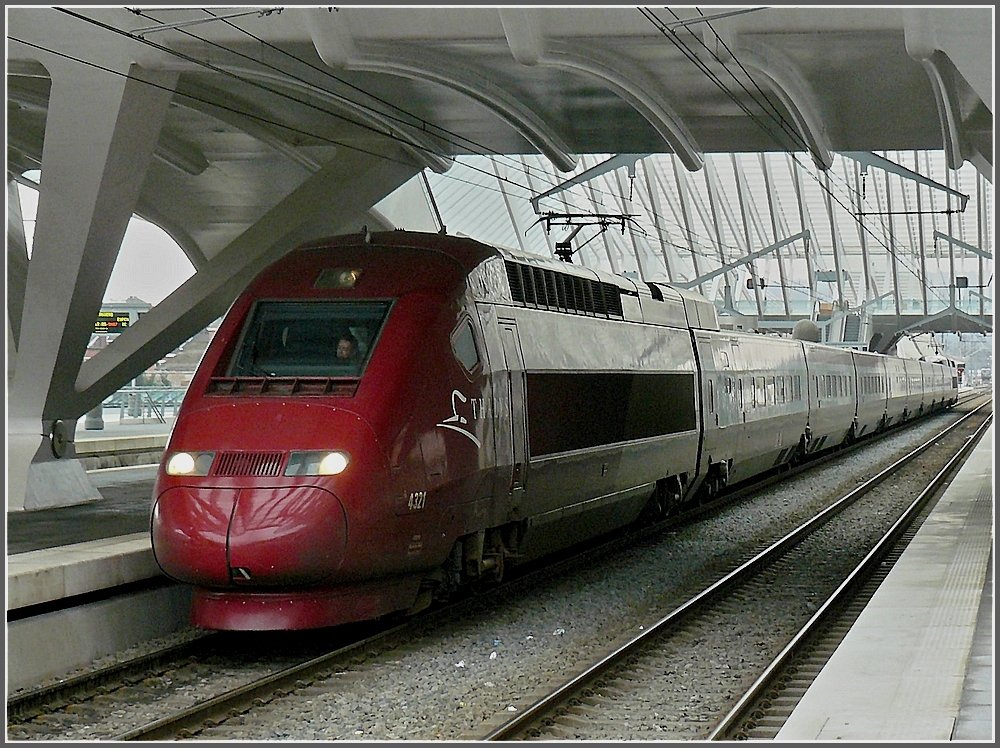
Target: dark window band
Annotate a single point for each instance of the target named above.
(568, 411)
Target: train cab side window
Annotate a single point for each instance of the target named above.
(463, 344)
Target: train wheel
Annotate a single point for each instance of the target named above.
(663, 501)
(711, 489)
(852, 435)
(493, 558)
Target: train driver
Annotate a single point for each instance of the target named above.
(347, 349)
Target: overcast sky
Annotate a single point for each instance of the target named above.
(150, 265)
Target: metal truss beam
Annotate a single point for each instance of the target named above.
(615, 162)
(744, 260)
(867, 159)
(963, 245)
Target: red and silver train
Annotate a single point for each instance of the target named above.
(497, 407)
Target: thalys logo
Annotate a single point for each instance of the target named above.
(458, 422)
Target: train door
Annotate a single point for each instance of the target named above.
(514, 364)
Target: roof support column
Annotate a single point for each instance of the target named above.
(980, 214)
(923, 248)
(17, 270)
(661, 234)
(803, 221)
(682, 191)
(741, 198)
(870, 290)
(835, 239)
(891, 249)
(100, 133)
(769, 187)
(506, 201)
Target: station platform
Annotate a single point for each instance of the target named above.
(120, 460)
(917, 665)
(84, 575)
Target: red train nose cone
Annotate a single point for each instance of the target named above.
(286, 536)
(260, 536)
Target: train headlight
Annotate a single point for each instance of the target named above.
(338, 278)
(317, 463)
(190, 463)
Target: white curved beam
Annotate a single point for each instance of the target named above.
(421, 147)
(521, 27)
(148, 208)
(336, 48)
(949, 114)
(784, 79)
(233, 111)
(640, 91)
(948, 111)
(459, 77)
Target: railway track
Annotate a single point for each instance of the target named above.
(761, 711)
(308, 672)
(606, 691)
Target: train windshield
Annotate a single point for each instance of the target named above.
(308, 339)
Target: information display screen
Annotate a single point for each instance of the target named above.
(111, 321)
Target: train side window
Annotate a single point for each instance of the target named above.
(463, 344)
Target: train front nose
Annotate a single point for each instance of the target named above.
(292, 535)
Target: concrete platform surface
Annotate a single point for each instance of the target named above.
(905, 668)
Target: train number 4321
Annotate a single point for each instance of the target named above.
(417, 500)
